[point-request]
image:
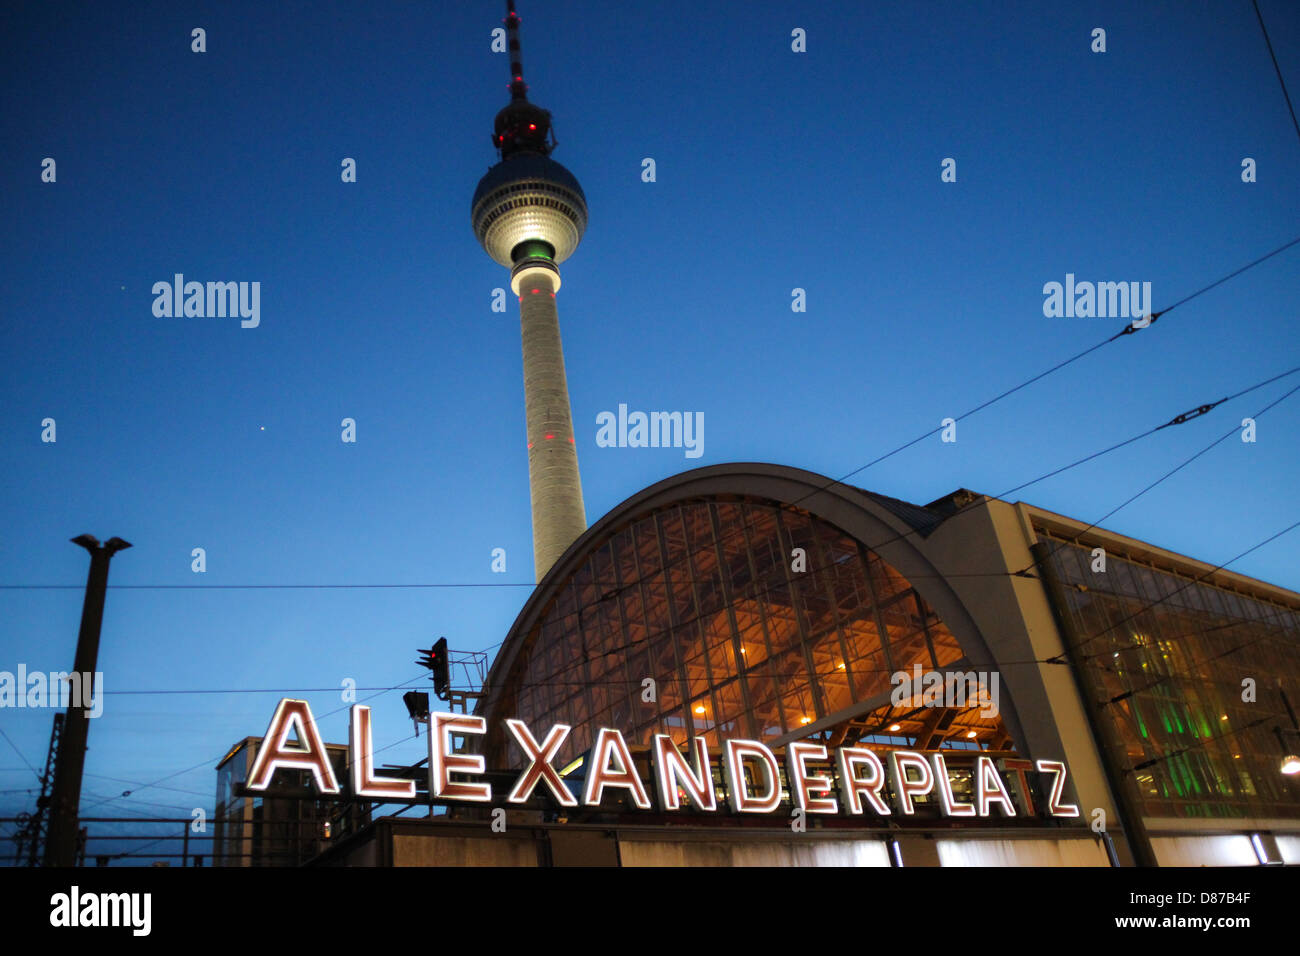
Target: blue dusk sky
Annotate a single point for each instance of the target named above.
(775, 170)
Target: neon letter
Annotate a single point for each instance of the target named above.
(275, 753)
(540, 768)
(443, 763)
(361, 749)
(1054, 805)
(671, 770)
(905, 789)
(853, 787)
(742, 801)
(947, 802)
(610, 744)
(797, 756)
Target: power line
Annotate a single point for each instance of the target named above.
(20, 754)
(1276, 69)
(1185, 586)
(1127, 330)
(210, 763)
(257, 690)
(875, 547)
(1169, 474)
(104, 798)
(137, 783)
(1177, 420)
(547, 680)
(269, 587)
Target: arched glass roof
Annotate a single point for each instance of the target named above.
(731, 616)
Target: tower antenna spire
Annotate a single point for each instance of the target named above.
(518, 88)
(521, 126)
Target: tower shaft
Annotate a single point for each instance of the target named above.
(529, 215)
(559, 517)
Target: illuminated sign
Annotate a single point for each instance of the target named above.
(853, 781)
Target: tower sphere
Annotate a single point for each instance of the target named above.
(526, 198)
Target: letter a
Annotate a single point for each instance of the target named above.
(275, 752)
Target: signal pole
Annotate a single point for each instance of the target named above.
(61, 843)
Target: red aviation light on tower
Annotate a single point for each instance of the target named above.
(521, 126)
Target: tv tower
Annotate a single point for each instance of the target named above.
(529, 214)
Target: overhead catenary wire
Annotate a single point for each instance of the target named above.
(1169, 474)
(1197, 580)
(1180, 419)
(212, 762)
(20, 754)
(1047, 661)
(875, 547)
(547, 681)
(1177, 420)
(1187, 461)
(1128, 330)
(1276, 69)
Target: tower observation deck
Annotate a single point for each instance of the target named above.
(529, 214)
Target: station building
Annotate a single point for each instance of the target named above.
(765, 602)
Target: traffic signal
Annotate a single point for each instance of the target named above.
(435, 658)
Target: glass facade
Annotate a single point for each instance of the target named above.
(698, 620)
(1170, 679)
